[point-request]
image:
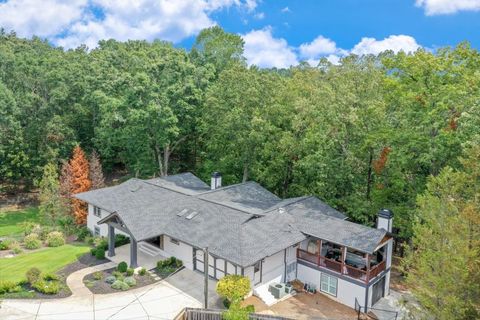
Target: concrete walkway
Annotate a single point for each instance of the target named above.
(160, 300)
(75, 280)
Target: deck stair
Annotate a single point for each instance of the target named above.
(149, 249)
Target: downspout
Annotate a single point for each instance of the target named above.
(366, 298)
(285, 265)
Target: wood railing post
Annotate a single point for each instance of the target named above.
(319, 253)
(344, 250)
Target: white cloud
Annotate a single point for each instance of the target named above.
(72, 23)
(263, 50)
(42, 18)
(259, 16)
(285, 10)
(395, 43)
(319, 46)
(437, 7)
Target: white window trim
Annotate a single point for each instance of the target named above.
(97, 211)
(331, 289)
(96, 231)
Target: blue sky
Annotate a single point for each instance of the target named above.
(276, 32)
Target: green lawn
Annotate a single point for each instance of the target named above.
(47, 260)
(11, 221)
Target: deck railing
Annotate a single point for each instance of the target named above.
(342, 268)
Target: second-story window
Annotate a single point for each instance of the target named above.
(97, 212)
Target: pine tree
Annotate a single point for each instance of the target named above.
(96, 173)
(80, 183)
(51, 202)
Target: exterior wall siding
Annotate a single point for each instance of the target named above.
(181, 251)
(347, 291)
(92, 221)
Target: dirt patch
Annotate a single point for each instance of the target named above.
(101, 287)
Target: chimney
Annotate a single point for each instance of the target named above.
(385, 220)
(216, 181)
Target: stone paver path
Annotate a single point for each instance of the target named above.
(160, 300)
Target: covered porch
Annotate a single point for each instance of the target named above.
(144, 254)
(343, 260)
(144, 259)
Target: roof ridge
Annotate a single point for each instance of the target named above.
(225, 187)
(298, 200)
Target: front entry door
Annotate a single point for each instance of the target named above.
(378, 290)
(257, 273)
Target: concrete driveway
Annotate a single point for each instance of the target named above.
(161, 300)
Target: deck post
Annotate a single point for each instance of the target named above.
(344, 255)
(133, 253)
(111, 241)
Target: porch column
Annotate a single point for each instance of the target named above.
(133, 253)
(111, 241)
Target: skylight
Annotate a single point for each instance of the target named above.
(182, 213)
(191, 215)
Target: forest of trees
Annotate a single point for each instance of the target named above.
(361, 135)
(398, 131)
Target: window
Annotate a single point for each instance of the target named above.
(97, 212)
(96, 231)
(174, 241)
(328, 284)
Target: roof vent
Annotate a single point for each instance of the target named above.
(192, 215)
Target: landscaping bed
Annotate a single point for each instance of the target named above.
(97, 284)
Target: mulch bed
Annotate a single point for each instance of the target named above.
(101, 287)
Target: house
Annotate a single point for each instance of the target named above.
(248, 231)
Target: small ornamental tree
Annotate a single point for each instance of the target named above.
(96, 172)
(51, 203)
(81, 183)
(233, 287)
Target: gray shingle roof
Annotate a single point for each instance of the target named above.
(242, 223)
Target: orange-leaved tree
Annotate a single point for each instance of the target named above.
(80, 183)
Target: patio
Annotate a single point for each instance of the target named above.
(144, 260)
(304, 306)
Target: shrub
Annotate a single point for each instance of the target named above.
(233, 287)
(83, 233)
(89, 240)
(120, 285)
(100, 254)
(7, 286)
(50, 277)
(101, 243)
(122, 266)
(27, 227)
(98, 275)
(130, 281)
(110, 279)
(142, 272)
(17, 250)
(121, 239)
(43, 231)
(7, 244)
(32, 275)
(130, 272)
(55, 239)
(117, 274)
(47, 287)
(32, 241)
